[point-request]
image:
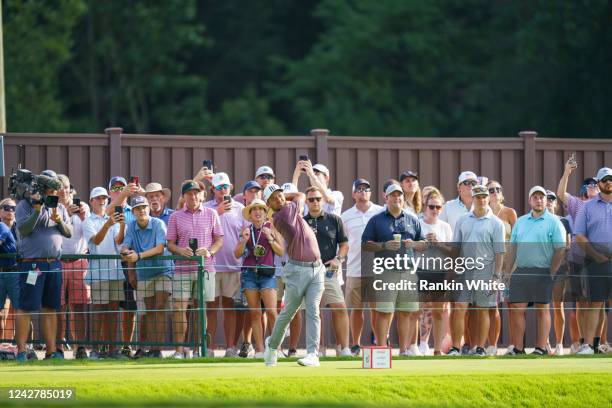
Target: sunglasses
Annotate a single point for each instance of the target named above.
(266, 177)
(593, 185)
(434, 207)
(493, 190)
(222, 187)
(116, 189)
(605, 179)
(471, 183)
(8, 207)
(363, 190)
(551, 198)
(313, 199)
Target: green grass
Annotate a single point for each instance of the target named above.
(441, 382)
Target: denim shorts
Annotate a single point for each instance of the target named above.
(250, 280)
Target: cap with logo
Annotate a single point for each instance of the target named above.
(537, 189)
(117, 179)
(408, 173)
(479, 189)
(220, 179)
(139, 201)
(190, 185)
(321, 168)
(251, 184)
(98, 192)
(360, 182)
(467, 175)
(264, 170)
(269, 190)
(603, 173)
(393, 188)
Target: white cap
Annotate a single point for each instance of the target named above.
(290, 188)
(219, 179)
(536, 189)
(603, 172)
(269, 190)
(467, 175)
(97, 192)
(264, 170)
(393, 188)
(322, 168)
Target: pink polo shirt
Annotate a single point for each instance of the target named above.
(203, 224)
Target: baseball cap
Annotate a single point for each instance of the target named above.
(117, 179)
(589, 180)
(269, 190)
(219, 179)
(408, 173)
(251, 184)
(264, 170)
(550, 193)
(359, 182)
(139, 201)
(290, 188)
(536, 189)
(321, 168)
(97, 192)
(393, 188)
(190, 185)
(49, 173)
(467, 175)
(479, 189)
(604, 172)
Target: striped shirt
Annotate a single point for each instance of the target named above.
(203, 225)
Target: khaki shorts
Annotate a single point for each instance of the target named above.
(398, 300)
(185, 286)
(103, 292)
(227, 284)
(352, 293)
(332, 293)
(148, 288)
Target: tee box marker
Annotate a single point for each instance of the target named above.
(376, 357)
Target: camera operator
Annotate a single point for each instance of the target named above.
(42, 222)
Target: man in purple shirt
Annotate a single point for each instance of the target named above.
(593, 227)
(303, 274)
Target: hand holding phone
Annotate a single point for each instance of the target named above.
(193, 244)
(208, 164)
(51, 201)
(134, 180)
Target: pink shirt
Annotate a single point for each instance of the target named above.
(301, 241)
(203, 225)
(232, 223)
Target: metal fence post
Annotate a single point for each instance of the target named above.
(202, 308)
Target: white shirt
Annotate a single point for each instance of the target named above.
(452, 211)
(443, 234)
(102, 269)
(354, 223)
(76, 244)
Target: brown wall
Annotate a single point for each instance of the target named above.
(519, 162)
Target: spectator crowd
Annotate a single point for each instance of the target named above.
(274, 257)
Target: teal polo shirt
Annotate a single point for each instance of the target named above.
(537, 239)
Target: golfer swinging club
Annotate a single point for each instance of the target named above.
(303, 273)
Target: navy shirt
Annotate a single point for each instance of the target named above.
(8, 245)
(382, 226)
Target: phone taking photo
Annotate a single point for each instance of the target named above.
(208, 164)
(193, 244)
(134, 180)
(227, 198)
(51, 201)
(76, 201)
(303, 157)
(118, 209)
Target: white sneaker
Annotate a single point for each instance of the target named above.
(322, 352)
(177, 355)
(574, 348)
(231, 352)
(472, 352)
(605, 348)
(311, 360)
(585, 349)
(270, 355)
(259, 354)
(424, 348)
(345, 352)
(510, 350)
(559, 350)
(491, 351)
(412, 351)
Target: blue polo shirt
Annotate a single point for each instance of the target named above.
(142, 239)
(128, 217)
(165, 215)
(537, 239)
(382, 226)
(8, 245)
(594, 221)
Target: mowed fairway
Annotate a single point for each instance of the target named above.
(450, 382)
